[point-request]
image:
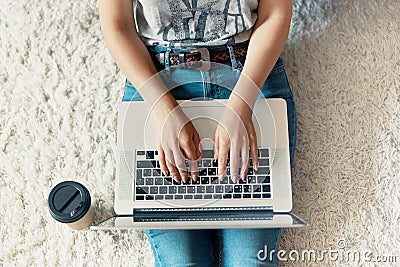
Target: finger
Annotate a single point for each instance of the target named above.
(245, 161)
(222, 160)
(180, 163)
(254, 149)
(216, 145)
(194, 169)
(173, 172)
(161, 159)
(234, 162)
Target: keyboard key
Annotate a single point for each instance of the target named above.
(139, 181)
(168, 197)
(217, 196)
(167, 181)
(140, 152)
(214, 180)
(190, 189)
(256, 188)
(154, 190)
(207, 196)
(219, 189)
(263, 162)
(209, 189)
(147, 172)
(159, 197)
(197, 181)
(146, 164)
(159, 181)
(150, 155)
(207, 163)
(227, 196)
(178, 196)
(176, 182)
(241, 181)
(237, 195)
(142, 190)
(162, 189)
(214, 163)
(263, 153)
(266, 195)
(149, 181)
(188, 196)
(246, 195)
(203, 172)
(200, 189)
(263, 179)
(205, 180)
(256, 195)
(212, 171)
(266, 188)
(262, 170)
(247, 188)
(187, 181)
(140, 197)
(228, 188)
(207, 154)
(228, 171)
(182, 189)
(156, 172)
(250, 171)
(224, 181)
(149, 197)
(237, 189)
(231, 181)
(199, 164)
(172, 190)
(139, 173)
(251, 179)
(198, 196)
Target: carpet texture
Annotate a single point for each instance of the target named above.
(58, 108)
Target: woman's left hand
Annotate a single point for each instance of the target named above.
(234, 134)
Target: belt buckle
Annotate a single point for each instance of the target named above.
(205, 59)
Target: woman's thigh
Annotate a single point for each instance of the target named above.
(183, 247)
(247, 247)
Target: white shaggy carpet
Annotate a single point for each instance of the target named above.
(58, 100)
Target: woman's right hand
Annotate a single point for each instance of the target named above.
(178, 141)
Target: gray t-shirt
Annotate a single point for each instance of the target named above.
(183, 23)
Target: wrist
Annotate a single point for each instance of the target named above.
(164, 106)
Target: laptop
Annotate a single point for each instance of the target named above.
(146, 199)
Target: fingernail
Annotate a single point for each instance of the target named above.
(165, 173)
(195, 177)
(255, 166)
(234, 178)
(221, 177)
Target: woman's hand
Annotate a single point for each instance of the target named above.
(234, 134)
(178, 139)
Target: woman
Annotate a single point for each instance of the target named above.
(147, 36)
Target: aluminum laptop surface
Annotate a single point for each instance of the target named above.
(137, 131)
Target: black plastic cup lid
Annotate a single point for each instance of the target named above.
(69, 201)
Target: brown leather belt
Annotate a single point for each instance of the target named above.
(203, 54)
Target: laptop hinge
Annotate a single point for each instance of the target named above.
(202, 214)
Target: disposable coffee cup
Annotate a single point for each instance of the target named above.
(70, 203)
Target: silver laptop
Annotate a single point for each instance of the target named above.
(145, 198)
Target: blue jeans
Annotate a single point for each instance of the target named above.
(218, 247)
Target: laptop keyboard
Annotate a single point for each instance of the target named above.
(151, 184)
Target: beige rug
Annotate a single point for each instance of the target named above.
(58, 106)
